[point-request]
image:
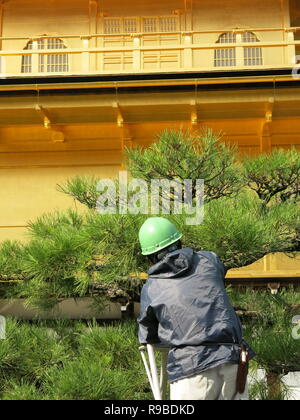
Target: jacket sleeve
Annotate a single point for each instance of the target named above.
(148, 323)
(220, 264)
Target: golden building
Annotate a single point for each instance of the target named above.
(81, 79)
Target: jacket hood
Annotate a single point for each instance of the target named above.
(174, 264)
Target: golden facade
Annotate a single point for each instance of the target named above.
(81, 79)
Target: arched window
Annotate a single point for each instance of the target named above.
(49, 63)
(27, 59)
(252, 55)
(226, 57)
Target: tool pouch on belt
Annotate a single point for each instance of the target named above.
(242, 373)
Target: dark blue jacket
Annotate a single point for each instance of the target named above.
(184, 305)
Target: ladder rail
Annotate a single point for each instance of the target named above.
(157, 382)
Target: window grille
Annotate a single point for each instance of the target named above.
(130, 25)
(27, 59)
(112, 26)
(47, 62)
(160, 24)
(120, 25)
(225, 57)
(227, 38)
(168, 24)
(55, 62)
(252, 55)
(150, 25)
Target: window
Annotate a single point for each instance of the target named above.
(118, 25)
(168, 24)
(150, 25)
(252, 55)
(49, 63)
(130, 25)
(26, 60)
(160, 24)
(226, 57)
(112, 26)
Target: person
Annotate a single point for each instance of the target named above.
(184, 306)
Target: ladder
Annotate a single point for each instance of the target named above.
(157, 382)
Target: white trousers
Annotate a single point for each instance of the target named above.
(218, 383)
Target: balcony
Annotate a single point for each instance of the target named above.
(122, 49)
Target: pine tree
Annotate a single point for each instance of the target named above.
(251, 208)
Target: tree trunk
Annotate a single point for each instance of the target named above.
(274, 385)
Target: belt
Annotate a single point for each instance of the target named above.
(208, 344)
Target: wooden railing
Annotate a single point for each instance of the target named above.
(148, 52)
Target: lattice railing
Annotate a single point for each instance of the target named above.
(150, 44)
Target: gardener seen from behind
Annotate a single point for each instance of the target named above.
(184, 305)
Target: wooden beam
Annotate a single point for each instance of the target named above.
(266, 128)
(126, 140)
(45, 115)
(119, 114)
(194, 114)
(125, 134)
(57, 134)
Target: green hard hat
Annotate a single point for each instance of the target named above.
(157, 233)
